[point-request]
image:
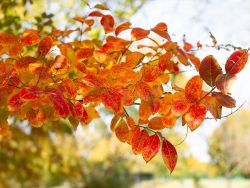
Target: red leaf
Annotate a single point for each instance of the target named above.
(60, 103)
(69, 87)
(45, 45)
(108, 23)
(180, 107)
(224, 82)
(30, 37)
(24, 62)
(161, 30)
(15, 102)
(112, 99)
(122, 27)
(195, 116)
(193, 89)
(209, 70)
(150, 73)
(139, 33)
(187, 46)
(224, 100)
(236, 62)
(95, 14)
(195, 60)
(30, 93)
(169, 155)
(150, 147)
(137, 139)
(84, 53)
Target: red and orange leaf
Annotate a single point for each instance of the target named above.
(112, 99)
(145, 110)
(169, 121)
(24, 62)
(150, 147)
(60, 103)
(224, 82)
(150, 73)
(95, 14)
(236, 62)
(70, 87)
(130, 122)
(210, 70)
(195, 60)
(193, 89)
(30, 37)
(156, 123)
(30, 93)
(195, 116)
(161, 30)
(169, 155)
(139, 33)
(114, 122)
(15, 102)
(166, 104)
(187, 46)
(224, 100)
(122, 27)
(45, 45)
(137, 139)
(180, 107)
(212, 106)
(122, 131)
(84, 53)
(108, 23)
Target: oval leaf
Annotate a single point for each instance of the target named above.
(169, 155)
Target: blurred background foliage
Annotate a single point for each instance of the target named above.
(56, 156)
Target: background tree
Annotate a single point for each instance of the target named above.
(229, 146)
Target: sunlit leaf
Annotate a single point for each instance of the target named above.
(169, 155)
(236, 62)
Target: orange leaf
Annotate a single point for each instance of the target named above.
(150, 73)
(24, 62)
(84, 53)
(139, 33)
(209, 70)
(187, 46)
(122, 131)
(45, 45)
(169, 155)
(213, 107)
(69, 87)
(122, 27)
(236, 62)
(112, 99)
(156, 124)
(108, 23)
(195, 116)
(145, 110)
(169, 121)
(150, 147)
(195, 60)
(30, 37)
(161, 30)
(137, 139)
(193, 89)
(180, 107)
(224, 82)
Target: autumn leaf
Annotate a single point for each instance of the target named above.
(193, 89)
(112, 99)
(30, 37)
(169, 155)
(210, 70)
(224, 82)
(212, 106)
(45, 45)
(180, 107)
(108, 23)
(137, 139)
(122, 27)
(195, 116)
(161, 30)
(150, 147)
(236, 62)
(224, 100)
(156, 123)
(139, 33)
(122, 131)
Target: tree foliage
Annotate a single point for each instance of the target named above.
(67, 74)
